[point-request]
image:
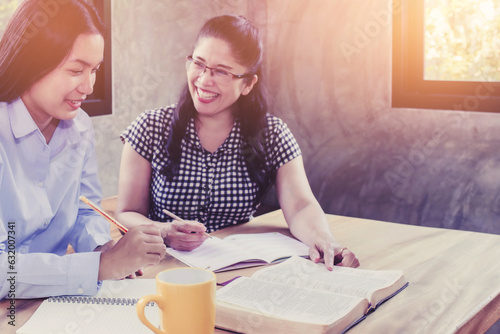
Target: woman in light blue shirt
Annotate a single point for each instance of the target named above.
(48, 65)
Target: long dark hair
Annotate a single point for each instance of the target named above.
(39, 36)
(246, 46)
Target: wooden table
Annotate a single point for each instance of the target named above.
(454, 275)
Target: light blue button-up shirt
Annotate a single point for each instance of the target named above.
(40, 213)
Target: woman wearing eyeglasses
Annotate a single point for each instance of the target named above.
(211, 157)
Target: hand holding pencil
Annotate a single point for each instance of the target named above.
(184, 234)
(140, 246)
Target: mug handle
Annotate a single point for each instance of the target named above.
(140, 311)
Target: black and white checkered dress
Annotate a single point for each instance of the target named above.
(212, 188)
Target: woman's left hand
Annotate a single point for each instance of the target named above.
(328, 250)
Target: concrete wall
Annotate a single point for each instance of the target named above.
(329, 71)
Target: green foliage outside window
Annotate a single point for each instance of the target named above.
(462, 40)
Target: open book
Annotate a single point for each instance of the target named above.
(299, 296)
(112, 310)
(241, 250)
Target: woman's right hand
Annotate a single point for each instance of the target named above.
(184, 235)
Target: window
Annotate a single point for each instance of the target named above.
(99, 103)
(446, 55)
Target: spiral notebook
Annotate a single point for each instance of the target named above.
(112, 310)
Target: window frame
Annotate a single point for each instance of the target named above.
(100, 102)
(410, 90)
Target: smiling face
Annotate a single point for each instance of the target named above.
(213, 99)
(60, 93)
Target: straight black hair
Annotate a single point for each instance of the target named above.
(246, 46)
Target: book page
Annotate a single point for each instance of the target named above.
(289, 302)
(300, 272)
(213, 254)
(272, 246)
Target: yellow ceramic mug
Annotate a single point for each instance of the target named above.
(186, 298)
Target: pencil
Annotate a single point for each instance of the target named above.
(173, 216)
(104, 214)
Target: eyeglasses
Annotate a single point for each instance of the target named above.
(197, 68)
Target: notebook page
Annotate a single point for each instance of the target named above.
(127, 288)
(97, 314)
(53, 317)
(269, 246)
(213, 254)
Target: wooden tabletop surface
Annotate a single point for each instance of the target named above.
(454, 276)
